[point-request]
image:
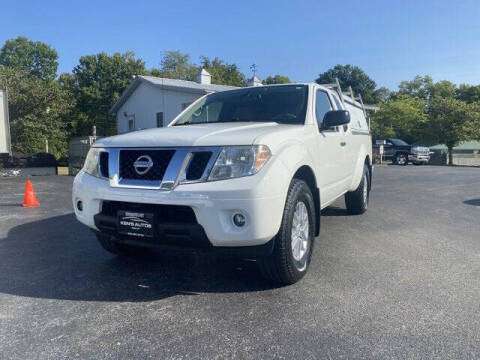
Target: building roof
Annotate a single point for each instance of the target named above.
(168, 84)
(464, 145)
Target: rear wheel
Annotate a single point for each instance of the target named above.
(357, 200)
(293, 244)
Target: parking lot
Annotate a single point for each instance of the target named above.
(401, 281)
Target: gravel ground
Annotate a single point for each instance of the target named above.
(401, 281)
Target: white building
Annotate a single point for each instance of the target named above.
(154, 102)
(4, 124)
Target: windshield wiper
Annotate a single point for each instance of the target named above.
(185, 123)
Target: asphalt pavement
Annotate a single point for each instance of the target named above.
(401, 281)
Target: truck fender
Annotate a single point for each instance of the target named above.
(296, 158)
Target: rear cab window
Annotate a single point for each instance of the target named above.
(337, 102)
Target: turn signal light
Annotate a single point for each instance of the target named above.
(262, 156)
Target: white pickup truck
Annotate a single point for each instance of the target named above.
(245, 170)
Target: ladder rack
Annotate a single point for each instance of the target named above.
(336, 87)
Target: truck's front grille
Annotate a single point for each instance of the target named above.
(197, 165)
(163, 213)
(159, 163)
(158, 168)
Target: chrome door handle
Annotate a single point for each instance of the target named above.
(343, 143)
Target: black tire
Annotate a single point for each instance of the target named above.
(356, 201)
(401, 159)
(117, 248)
(281, 266)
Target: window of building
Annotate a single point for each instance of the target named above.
(322, 106)
(131, 122)
(159, 119)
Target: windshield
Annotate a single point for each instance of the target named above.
(398, 142)
(284, 104)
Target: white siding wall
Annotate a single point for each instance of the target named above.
(146, 101)
(4, 125)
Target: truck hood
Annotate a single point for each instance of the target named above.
(198, 135)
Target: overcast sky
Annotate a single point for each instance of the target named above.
(390, 40)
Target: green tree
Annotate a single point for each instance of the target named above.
(223, 73)
(468, 93)
(35, 57)
(349, 75)
(452, 121)
(39, 110)
(97, 82)
(403, 117)
(176, 65)
(423, 87)
(381, 95)
(276, 79)
(444, 89)
(419, 88)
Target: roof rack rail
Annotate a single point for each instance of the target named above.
(360, 100)
(336, 86)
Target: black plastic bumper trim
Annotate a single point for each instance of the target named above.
(179, 235)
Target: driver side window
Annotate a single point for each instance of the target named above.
(322, 106)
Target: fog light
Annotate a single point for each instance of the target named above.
(239, 220)
(80, 205)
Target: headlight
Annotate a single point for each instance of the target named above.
(92, 162)
(238, 161)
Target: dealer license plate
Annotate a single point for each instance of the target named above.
(135, 223)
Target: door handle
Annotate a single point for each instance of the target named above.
(343, 143)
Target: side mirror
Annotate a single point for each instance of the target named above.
(336, 118)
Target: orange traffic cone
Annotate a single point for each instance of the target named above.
(30, 198)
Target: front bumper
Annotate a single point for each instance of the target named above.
(419, 158)
(213, 203)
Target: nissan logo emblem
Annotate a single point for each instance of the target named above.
(143, 164)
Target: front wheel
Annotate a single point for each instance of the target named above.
(357, 200)
(401, 159)
(293, 244)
